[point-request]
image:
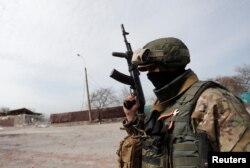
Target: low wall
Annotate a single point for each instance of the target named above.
(6, 122)
(19, 120)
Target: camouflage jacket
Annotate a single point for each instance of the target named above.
(224, 118)
(218, 112)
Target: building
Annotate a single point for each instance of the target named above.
(19, 118)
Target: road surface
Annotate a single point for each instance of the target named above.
(82, 146)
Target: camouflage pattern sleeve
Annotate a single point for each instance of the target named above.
(130, 126)
(225, 120)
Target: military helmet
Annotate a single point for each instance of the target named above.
(164, 51)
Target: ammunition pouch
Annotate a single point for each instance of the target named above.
(154, 149)
(130, 152)
(154, 152)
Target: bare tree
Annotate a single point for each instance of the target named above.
(4, 110)
(231, 83)
(238, 83)
(103, 97)
(124, 92)
(243, 76)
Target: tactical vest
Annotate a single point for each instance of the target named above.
(178, 148)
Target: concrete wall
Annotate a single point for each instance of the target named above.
(6, 121)
(18, 120)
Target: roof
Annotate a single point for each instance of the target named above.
(22, 111)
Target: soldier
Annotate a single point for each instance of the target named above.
(188, 117)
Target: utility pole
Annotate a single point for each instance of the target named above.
(87, 87)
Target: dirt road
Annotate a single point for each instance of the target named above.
(84, 146)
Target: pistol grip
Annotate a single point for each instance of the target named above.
(128, 104)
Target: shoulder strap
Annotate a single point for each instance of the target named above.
(190, 97)
(194, 92)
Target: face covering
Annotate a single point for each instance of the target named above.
(161, 79)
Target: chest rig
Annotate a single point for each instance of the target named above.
(170, 140)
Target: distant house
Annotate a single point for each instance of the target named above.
(19, 117)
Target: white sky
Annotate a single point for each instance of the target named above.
(40, 40)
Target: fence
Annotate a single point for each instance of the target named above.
(97, 115)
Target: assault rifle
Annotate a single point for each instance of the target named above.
(133, 80)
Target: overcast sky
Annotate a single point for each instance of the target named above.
(40, 40)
